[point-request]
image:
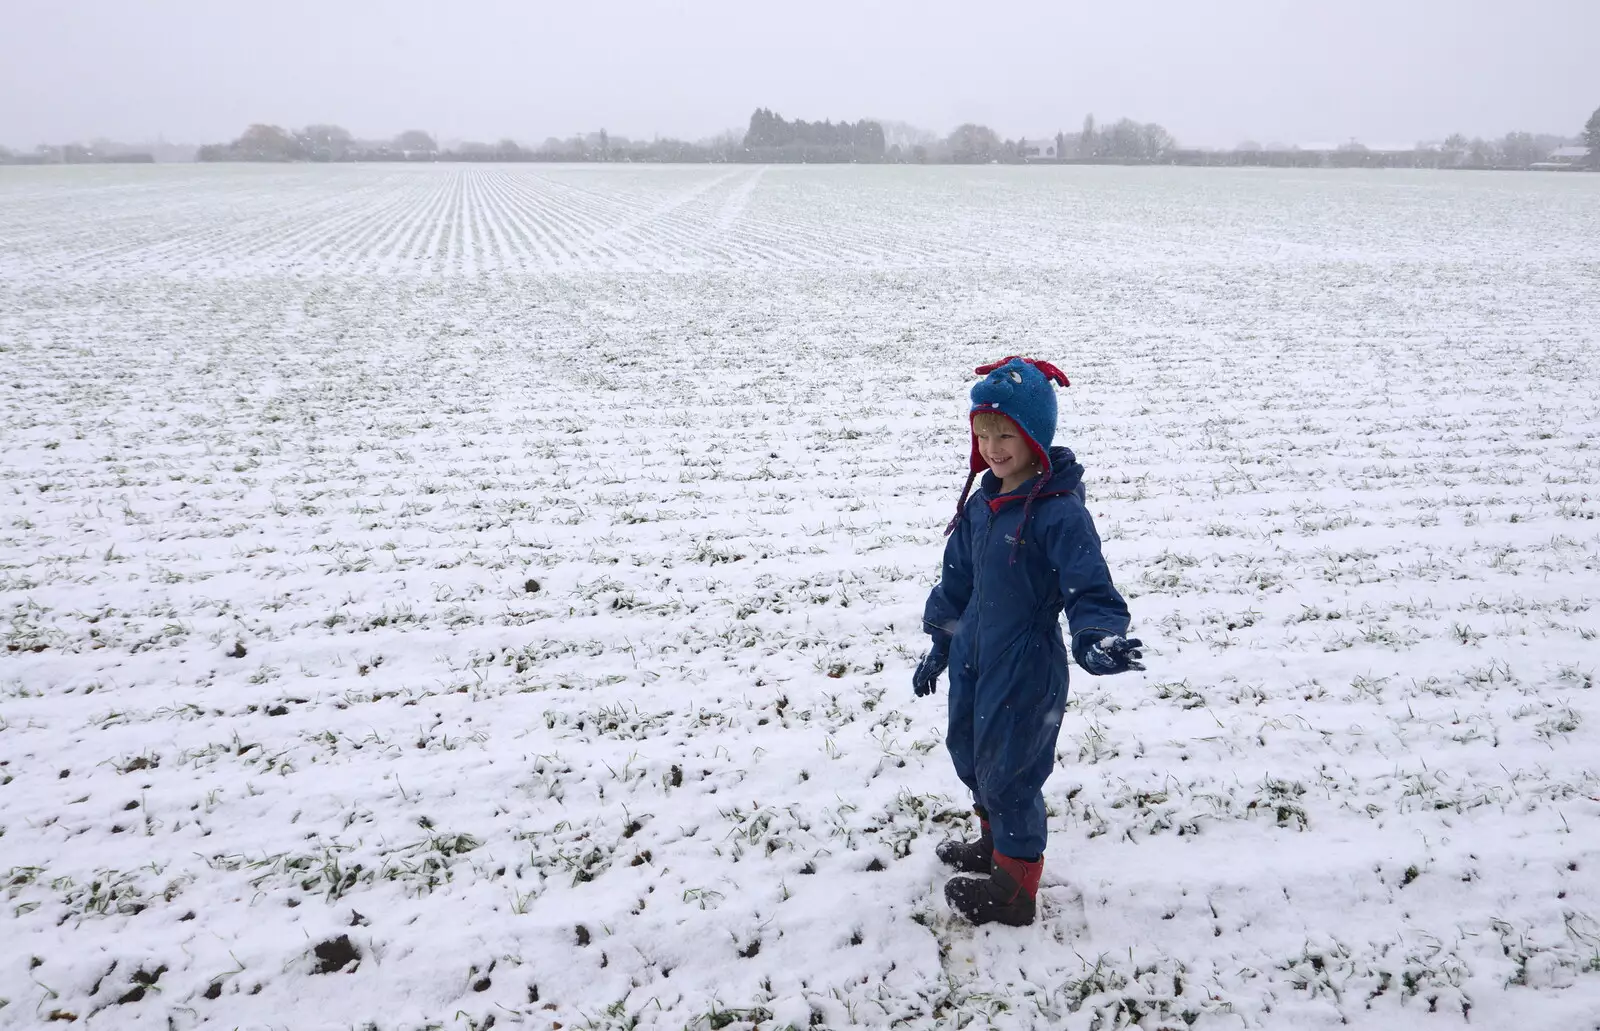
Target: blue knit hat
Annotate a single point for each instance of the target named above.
(1022, 390)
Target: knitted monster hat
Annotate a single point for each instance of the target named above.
(1021, 390)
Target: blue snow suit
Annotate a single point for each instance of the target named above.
(999, 603)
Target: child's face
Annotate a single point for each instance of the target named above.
(1004, 450)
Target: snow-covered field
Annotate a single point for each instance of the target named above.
(453, 596)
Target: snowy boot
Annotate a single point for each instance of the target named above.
(969, 856)
(1005, 896)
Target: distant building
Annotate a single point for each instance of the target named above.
(1563, 159)
(1037, 148)
(605, 141)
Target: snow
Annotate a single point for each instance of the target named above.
(517, 573)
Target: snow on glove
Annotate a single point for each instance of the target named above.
(1112, 654)
(926, 679)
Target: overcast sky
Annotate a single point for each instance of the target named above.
(1214, 72)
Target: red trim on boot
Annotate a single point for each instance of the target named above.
(1025, 873)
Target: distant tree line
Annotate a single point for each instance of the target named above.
(772, 138)
(1513, 150)
(1123, 142)
(76, 154)
(769, 138)
(1516, 151)
(262, 142)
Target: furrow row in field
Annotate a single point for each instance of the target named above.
(694, 219)
(368, 243)
(410, 245)
(529, 241)
(562, 220)
(56, 208)
(547, 219)
(286, 243)
(590, 231)
(475, 220)
(99, 233)
(65, 232)
(208, 244)
(345, 240)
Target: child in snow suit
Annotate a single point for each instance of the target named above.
(1020, 551)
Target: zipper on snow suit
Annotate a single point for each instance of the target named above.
(977, 576)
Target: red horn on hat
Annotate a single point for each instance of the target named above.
(1051, 373)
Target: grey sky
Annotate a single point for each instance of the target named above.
(1212, 71)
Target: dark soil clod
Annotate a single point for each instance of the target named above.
(146, 978)
(335, 954)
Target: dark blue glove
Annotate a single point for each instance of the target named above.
(1112, 654)
(926, 679)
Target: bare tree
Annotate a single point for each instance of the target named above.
(1483, 153)
(1122, 140)
(266, 143)
(906, 135)
(1519, 149)
(1155, 142)
(414, 141)
(972, 143)
(325, 142)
